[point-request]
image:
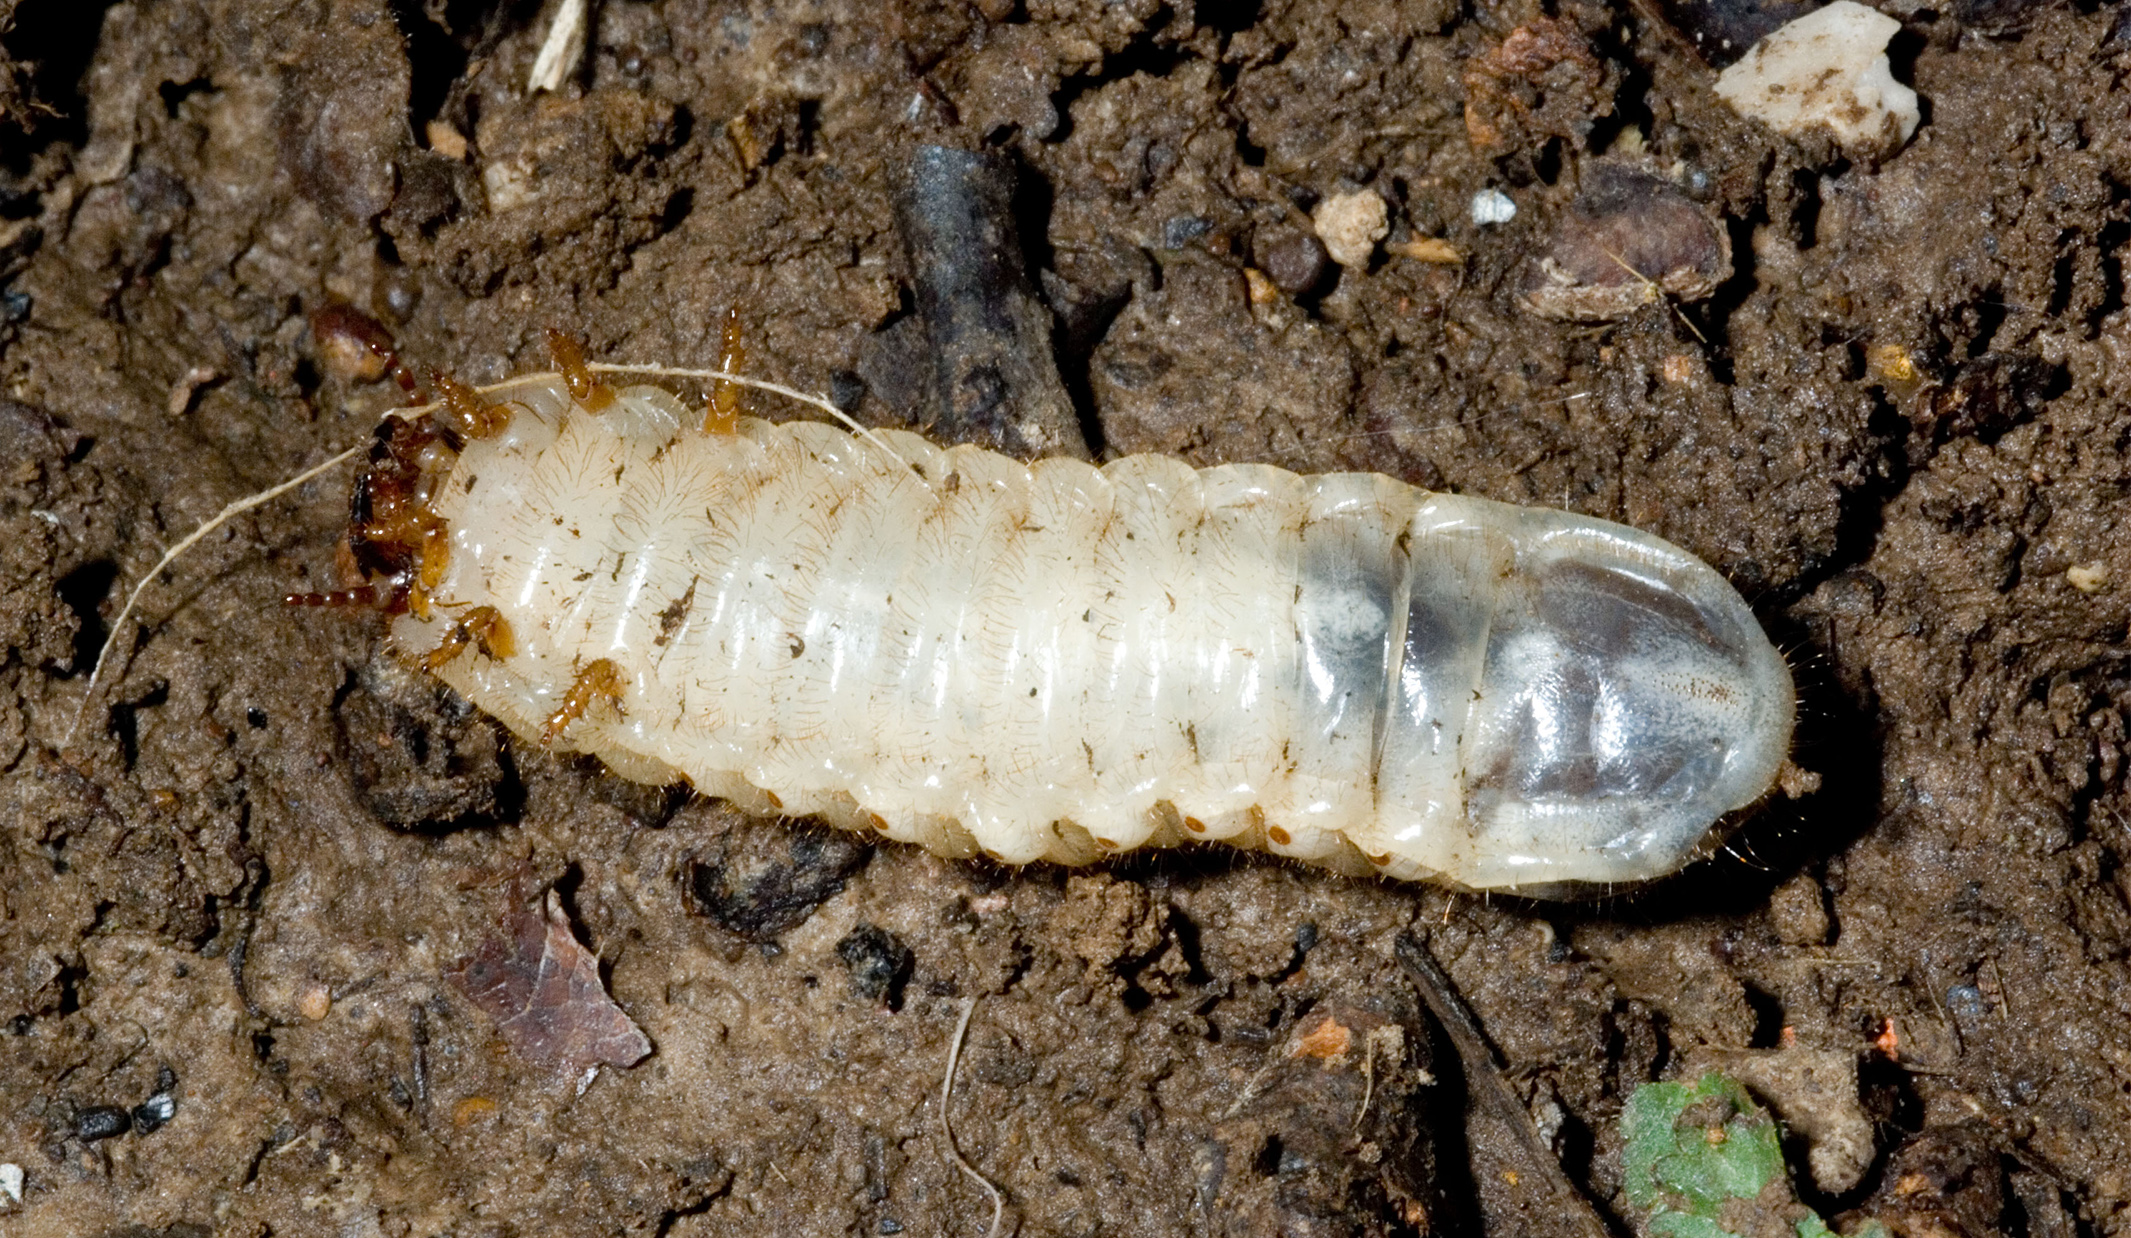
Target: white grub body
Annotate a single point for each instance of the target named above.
(1057, 661)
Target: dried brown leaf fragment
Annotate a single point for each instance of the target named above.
(542, 987)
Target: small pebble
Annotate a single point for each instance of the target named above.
(153, 1114)
(1827, 70)
(1350, 225)
(2088, 577)
(1891, 362)
(1181, 230)
(187, 387)
(101, 1122)
(1967, 1004)
(1492, 206)
(401, 294)
(11, 1182)
(1630, 238)
(445, 140)
(880, 964)
(1798, 912)
(1296, 262)
(846, 389)
(315, 1003)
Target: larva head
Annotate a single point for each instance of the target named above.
(392, 532)
(1619, 701)
(387, 493)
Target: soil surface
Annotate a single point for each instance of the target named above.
(237, 885)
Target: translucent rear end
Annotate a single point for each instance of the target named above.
(1606, 699)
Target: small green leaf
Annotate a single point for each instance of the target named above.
(1692, 1147)
(1695, 1148)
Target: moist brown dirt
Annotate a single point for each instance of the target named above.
(1899, 425)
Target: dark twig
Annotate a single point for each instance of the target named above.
(1484, 1069)
(995, 381)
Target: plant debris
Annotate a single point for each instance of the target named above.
(542, 988)
(1629, 238)
(1704, 1161)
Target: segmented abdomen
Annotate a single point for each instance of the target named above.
(1055, 661)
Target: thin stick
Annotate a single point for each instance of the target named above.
(947, 1088)
(1368, 1076)
(208, 526)
(1657, 292)
(561, 50)
(1484, 1071)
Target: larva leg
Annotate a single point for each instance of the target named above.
(435, 554)
(569, 356)
(461, 410)
(722, 413)
(483, 627)
(599, 680)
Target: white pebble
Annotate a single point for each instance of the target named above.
(11, 1182)
(2088, 577)
(509, 183)
(1827, 70)
(1350, 225)
(1492, 206)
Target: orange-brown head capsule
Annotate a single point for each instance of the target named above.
(600, 680)
(569, 356)
(462, 411)
(386, 516)
(722, 416)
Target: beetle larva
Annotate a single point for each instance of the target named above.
(1058, 661)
